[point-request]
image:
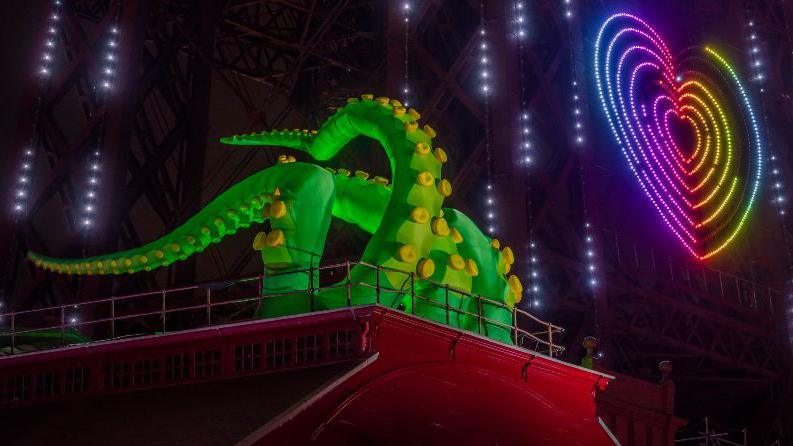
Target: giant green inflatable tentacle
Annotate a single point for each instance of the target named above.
(413, 237)
(412, 234)
(359, 200)
(238, 207)
(405, 236)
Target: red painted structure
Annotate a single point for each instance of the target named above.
(408, 381)
(639, 413)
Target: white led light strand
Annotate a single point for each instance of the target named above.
(777, 184)
(104, 87)
(568, 9)
(578, 123)
(590, 257)
(520, 21)
(45, 68)
(525, 151)
(485, 76)
(50, 42)
(407, 8)
(591, 262)
(756, 65)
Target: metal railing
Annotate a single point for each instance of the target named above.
(218, 303)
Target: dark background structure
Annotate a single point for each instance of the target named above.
(192, 71)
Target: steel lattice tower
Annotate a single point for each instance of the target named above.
(190, 72)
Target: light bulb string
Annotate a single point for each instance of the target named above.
(85, 216)
(27, 161)
(589, 265)
(524, 139)
(103, 91)
(483, 31)
(773, 160)
(406, 88)
(490, 193)
(784, 224)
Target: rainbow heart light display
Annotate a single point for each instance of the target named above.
(686, 128)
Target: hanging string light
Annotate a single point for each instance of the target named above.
(578, 123)
(578, 132)
(25, 177)
(591, 263)
(778, 200)
(484, 87)
(103, 88)
(407, 8)
(520, 22)
(758, 75)
(525, 149)
(568, 9)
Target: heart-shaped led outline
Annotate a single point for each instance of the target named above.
(700, 194)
